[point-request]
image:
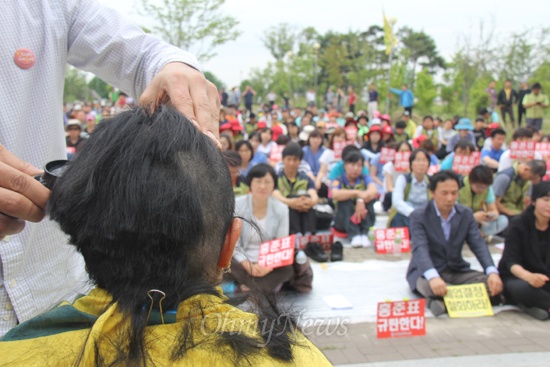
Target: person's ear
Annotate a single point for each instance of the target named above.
(233, 234)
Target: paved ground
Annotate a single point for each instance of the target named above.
(510, 338)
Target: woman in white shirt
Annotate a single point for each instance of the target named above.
(330, 158)
(266, 142)
(390, 175)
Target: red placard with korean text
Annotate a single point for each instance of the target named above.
(401, 161)
(392, 240)
(543, 149)
(324, 239)
(276, 154)
(522, 150)
(338, 147)
(434, 168)
(401, 319)
(387, 155)
(463, 164)
(278, 252)
(351, 132)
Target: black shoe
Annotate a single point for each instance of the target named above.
(315, 251)
(337, 252)
(537, 313)
(437, 307)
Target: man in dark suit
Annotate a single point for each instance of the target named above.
(438, 232)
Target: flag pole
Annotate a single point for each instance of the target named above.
(389, 83)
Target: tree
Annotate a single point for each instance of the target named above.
(421, 47)
(425, 90)
(75, 87)
(214, 79)
(279, 40)
(194, 25)
(100, 87)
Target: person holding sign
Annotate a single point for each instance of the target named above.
(331, 156)
(411, 190)
(354, 194)
(438, 231)
(525, 263)
(520, 135)
(464, 148)
(271, 216)
(491, 156)
(477, 194)
(512, 186)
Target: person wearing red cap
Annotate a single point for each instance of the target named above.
(387, 134)
(237, 129)
(374, 143)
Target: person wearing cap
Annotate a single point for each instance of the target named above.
(520, 135)
(387, 134)
(490, 157)
(236, 129)
(406, 98)
(385, 120)
(464, 128)
(362, 125)
(525, 263)
(535, 104)
(513, 185)
(524, 90)
(374, 143)
(74, 140)
(410, 129)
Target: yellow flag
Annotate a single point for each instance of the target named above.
(389, 38)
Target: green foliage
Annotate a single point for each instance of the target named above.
(100, 87)
(425, 90)
(75, 87)
(194, 25)
(279, 40)
(214, 79)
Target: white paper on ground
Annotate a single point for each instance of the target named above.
(337, 302)
(500, 246)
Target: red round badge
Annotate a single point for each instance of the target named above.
(24, 58)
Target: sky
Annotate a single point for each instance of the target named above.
(446, 21)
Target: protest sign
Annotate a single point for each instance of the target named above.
(392, 240)
(522, 150)
(434, 168)
(278, 252)
(351, 132)
(543, 149)
(468, 300)
(401, 162)
(338, 147)
(324, 239)
(276, 154)
(463, 164)
(387, 155)
(401, 318)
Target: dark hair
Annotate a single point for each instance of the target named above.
(137, 203)
(443, 176)
(283, 139)
(464, 144)
(427, 117)
(522, 133)
(536, 86)
(353, 157)
(293, 150)
(240, 143)
(415, 153)
(480, 119)
(252, 115)
(337, 132)
(482, 175)
(254, 134)
(428, 145)
(232, 158)
(315, 134)
(538, 167)
(404, 142)
(483, 111)
(259, 171)
(497, 131)
(349, 149)
(439, 119)
(400, 124)
(228, 138)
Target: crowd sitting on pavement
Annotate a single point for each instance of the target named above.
(321, 169)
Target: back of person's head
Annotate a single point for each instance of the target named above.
(498, 131)
(464, 145)
(481, 175)
(232, 158)
(259, 171)
(538, 167)
(149, 203)
(283, 140)
(354, 157)
(428, 145)
(443, 176)
(293, 150)
(522, 133)
(349, 149)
